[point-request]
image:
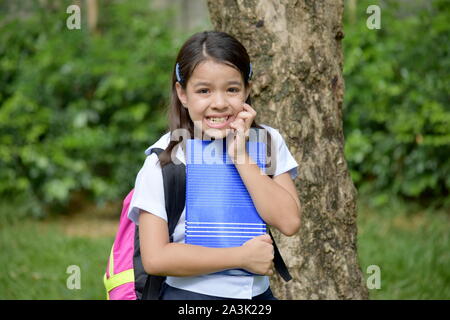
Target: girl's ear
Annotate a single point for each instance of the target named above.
(181, 93)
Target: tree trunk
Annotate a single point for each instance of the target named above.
(92, 10)
(295, 48)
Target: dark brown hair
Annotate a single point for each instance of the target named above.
(208, 45)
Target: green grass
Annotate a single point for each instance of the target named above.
(410, 246)
(35, 257)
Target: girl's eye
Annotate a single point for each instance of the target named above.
(234, 90)
(203, 91)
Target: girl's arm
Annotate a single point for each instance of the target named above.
(161, 257)
(276, 199)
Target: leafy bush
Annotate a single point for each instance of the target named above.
(397, 115)
(78, 109)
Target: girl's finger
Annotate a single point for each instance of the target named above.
(266, 238)
(245, 115)
(249, 108)
(240, 123)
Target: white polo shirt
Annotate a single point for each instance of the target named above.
(149, 196)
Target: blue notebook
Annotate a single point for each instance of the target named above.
(219, 210)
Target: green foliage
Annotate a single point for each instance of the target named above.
(397, 115)
(77, 109)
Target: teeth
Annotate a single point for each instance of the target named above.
(217, 120)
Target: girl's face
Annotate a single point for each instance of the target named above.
(214, 95)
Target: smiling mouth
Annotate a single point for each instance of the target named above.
(217, 119)
(218, 122)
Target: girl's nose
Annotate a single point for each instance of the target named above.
(219, 101)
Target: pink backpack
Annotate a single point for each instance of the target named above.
(119, 277)
(125, 278)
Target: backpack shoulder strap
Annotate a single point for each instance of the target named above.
(174, 181)
(279, 263)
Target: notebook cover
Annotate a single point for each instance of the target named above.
(219, 210)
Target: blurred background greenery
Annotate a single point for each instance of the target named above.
(79, 107)
(397, 115)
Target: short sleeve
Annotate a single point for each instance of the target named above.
(148, 191)
(285, 162)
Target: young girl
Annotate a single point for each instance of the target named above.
(211, 95)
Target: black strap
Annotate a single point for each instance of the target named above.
(152, 287)
(174, 180)
(278, 262)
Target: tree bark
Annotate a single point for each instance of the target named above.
(92, 10)
(298, 87)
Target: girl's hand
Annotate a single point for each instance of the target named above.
(241, 125)
(257, 255)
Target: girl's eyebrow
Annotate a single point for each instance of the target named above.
(206, 83)
(238, 83)
(201, 83)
